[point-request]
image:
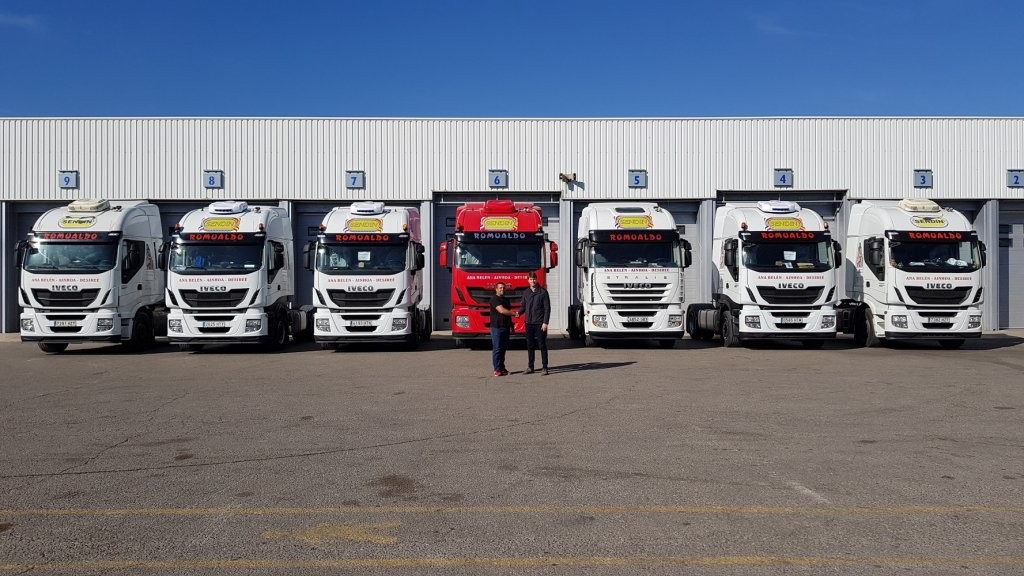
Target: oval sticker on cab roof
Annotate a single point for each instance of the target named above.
(499, 223)
(221, 224)
(364, 225)
(929, 221)
(644, 221)
(783, 224)
(77, 222)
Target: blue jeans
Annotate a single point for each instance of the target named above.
(499, 343)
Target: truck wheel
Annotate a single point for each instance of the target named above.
(53, 347)
(142, 334)
(329, 346)
(278, 336)
(667, 343)
(729, 337)
(864, 332)
(413, 339)
(952, 344)
(190, 347)
(813, 344)
(575, 328)
(428, 325)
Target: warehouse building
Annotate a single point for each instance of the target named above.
(309, 165)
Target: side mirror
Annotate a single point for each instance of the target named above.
(981, 245)
(687, 254)
(420, 261)
(307, 254)
(874, 253)
(580, 255)
(161, 256)
(729, 255)
(554, 255)
(22, 246)
(442, 257)
(837, 252)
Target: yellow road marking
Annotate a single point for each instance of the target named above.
(514, 562)
(604, 510)
(321, 533)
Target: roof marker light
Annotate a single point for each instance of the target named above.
(743, 225)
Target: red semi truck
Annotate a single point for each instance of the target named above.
(495, 241)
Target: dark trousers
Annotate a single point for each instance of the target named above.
(499, 344)
(535, 337)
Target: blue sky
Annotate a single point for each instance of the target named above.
(483, 58)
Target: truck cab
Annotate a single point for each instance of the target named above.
(89, 274)
(916, 274)
(230, 278)
(367, 267)
(631, 259)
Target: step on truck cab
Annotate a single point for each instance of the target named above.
(89, 274)
(774, 277)
(367, 267)
(630, 258)
(916, 274)
(494, 241)
(230, 278)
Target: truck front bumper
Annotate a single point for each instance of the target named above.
(659, 323)
(212, 327)
(362, 326)
(69, 327)
(937, 324)
(756, 323)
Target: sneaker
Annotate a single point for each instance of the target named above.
(546, 372)
(529, 371)
(503, 373)
(498, 373)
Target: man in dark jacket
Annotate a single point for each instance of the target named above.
(537, 309)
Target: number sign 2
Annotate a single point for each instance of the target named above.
(1015, 178)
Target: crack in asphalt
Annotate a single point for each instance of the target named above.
(70, 472)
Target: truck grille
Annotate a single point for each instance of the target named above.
(641, 292)
(377, 299)
(65, 299)
(483, 295)
(229, 299)
(789, 320)
(773, 295)
(949, 297)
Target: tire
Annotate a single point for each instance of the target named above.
(870, 339)
(667, 343)
(142, 336)
(813, 344)
(575, 329)
(428, 325)
(278, 336)
(730, 339)
(190, 347)
(413, 339)
(952, 344)
(53, 347)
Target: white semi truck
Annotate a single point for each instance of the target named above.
(230, 278)
(774, 277)
(89, 274)
(630, 260)
(367, 267)
(916, 274)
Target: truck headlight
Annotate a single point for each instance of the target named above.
(253, 325)
(972, 322)
(323, 324)
(462, 321)
(899, 321)
(399, 323)
(600, 320)
(828, 321)
(174, 325)
(104, 324)
(752, 322)
(28, 325)
(675, 320)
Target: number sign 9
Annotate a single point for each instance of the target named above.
(923, 179)
(497, 178)
(784, 177)
(1015, 178)
(68, 179)
(355, 180)
(637, 179)
(213, 179)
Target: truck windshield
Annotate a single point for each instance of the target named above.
(485, 256)
(935, 256)
(70, 258)
(643, 254)
(787, 256)
(339, 259)
(206, 258)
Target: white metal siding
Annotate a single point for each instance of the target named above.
(408, 159)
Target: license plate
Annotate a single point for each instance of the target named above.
(64, 323)
(217, 324)
(937, 319)
(354, 323)
(790, 320)
(637, 319)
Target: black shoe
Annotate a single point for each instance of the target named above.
(546, 372)
(529, 371)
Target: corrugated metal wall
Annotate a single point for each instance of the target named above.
(409, 159)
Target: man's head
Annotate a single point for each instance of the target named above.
(531, 277)
(499, 288)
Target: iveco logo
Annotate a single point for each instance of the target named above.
(792, 285)
(213, 288)
(65, 288)
(637, 285)
(939, 286)
(360, 289)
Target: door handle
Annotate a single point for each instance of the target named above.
(868, 284)
(139, 287)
